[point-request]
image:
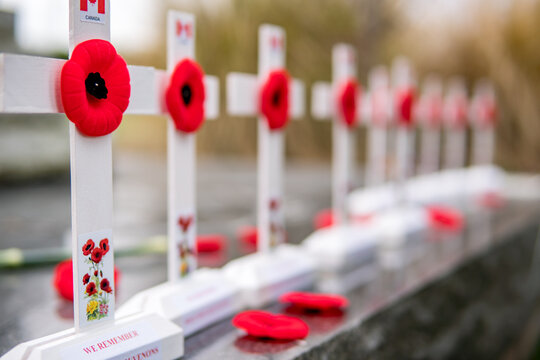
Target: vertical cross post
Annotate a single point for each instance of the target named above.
(483, 112)
(455, 113)
(429, 113)
(380, 111)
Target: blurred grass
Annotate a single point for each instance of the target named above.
(500, 42)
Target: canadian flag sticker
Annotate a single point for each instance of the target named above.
(93, 11)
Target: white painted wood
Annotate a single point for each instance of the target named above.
(455, 141)
(91, 176)
(343, 139)
(211, 102)
(297, 99)
(242, 91)
(430, 99)
(321, 100)
(180, 158)
(143, 86)
(483, 151)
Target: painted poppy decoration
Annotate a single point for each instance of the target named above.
(348, 102)
(404, 106)
(185, 96)
(263, 324)
(312, 301)
(63, 280)
(274, 99)
(95, 88)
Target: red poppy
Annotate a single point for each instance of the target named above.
(105, 285)
(404, 106)
(347, 102)
(185, 222)
(323, 219)
(210, 243)
(274, 99)
(95, 87)
(63, 279)
(91, 288)
(267, 325)
(97, 254)
(88, 247)
(445, 218)
(86, 279)
(248, 235)
(95, 273)
(185, 96)
(311, 301)
(104, 245)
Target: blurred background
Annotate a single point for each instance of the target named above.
(480, 38)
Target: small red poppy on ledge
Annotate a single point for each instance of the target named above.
(348, 102)
(95, 87)
(274, 99)
(312, 301)
(404, 106)
(185, 96)
(263, 324)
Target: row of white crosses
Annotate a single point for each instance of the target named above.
(35, 86)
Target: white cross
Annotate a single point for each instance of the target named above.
(403, 79)
(242, 100)
(482, 116)
(181, 152)
(455, 112)
(32, 85)
(324, 105)
(428, 111)
(378, 117)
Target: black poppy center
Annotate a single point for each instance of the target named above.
(95, 86)
(187, 94)
(276, 98)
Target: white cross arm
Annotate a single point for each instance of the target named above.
(211, 86)
(321, 100)
(242, 95)
(30, 84)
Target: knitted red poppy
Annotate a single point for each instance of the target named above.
(248, 235)
(274, 99)
(404, 106)
(348, 102)
(95, 87)
(323, 219)
(263, 324)
(210, 243)
(185, 96)
(312, 301)
(445, 218)
(63, 279)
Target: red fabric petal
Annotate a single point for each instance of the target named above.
(323, 219)
(348, 102)
(188, 117)
(312, 301)
(274, 99)
(63, 279)
(445, 218)
(92, 116)
(210, 243)
(263, 324)
(248, 235)
(404, 106)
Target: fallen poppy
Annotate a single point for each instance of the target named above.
(323, 219)
(404, 106)
(63, 279)
(185, 96)
(347, 102)
(95, 88)
(248, 235)
(312, 301)
(263, 324)
(274, 99)
(445, 218)
(210, 243)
